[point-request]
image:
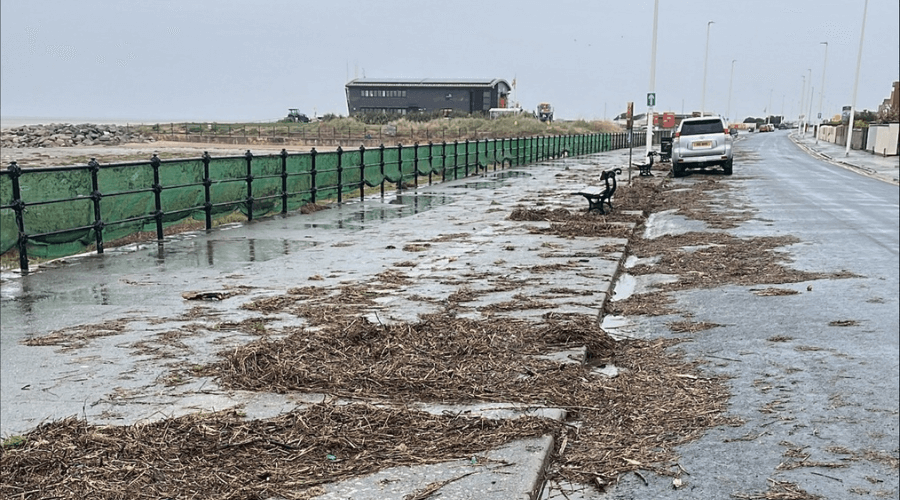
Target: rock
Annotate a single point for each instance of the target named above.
(66, 135)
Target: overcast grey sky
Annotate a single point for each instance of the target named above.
(226, 60)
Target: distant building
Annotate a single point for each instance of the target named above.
(889, 107)
(670, 120)
(403, 96)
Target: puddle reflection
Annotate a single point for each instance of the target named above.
(400, 206)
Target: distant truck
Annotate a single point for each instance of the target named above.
(500, 112)
(545, 112)
(294, 115)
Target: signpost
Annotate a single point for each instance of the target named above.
(630, 116)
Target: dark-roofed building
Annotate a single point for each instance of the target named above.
(402, 96)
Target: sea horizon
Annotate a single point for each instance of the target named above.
(20, 121)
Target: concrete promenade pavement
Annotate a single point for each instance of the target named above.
(886, 168)
(461, 234)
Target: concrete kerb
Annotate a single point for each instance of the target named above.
(877, 167)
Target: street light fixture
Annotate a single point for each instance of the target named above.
(705, 59)
(821, 91)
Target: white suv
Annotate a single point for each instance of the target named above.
(701, 142)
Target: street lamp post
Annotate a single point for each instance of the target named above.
(705, 59)
(862, 34)
(802, 104)
(812, 93)
(652, 83)
(821, 92)
(730, 82)
(800, 113)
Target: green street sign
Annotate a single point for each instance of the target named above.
(651, 99)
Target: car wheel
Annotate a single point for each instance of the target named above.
(677, 170)
(727, 167)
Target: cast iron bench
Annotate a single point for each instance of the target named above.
(596, 200)
(645, 167)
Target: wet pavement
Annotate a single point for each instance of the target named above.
(111, 312)
(885, 168)
(114, 371)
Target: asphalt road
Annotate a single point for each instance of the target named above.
(819, 401)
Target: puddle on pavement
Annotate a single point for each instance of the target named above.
(618, 327)
(97, 278)
(193, 253)
(511, 174)
(478, 185)
(624, 287)
(403, 205)
(627, 285)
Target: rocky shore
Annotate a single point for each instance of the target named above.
(65, 135)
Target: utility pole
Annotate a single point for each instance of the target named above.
(802, 105)
(862, 35)
(821, 92)
(811, 95)
(705, 60)
(651, 96)
(730, 82)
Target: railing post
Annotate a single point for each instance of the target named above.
(312, 173)
(400, 167)
(381, 166)
(249, 156)
(443, 161)
(207, 197)
(455, 159)
(362, 172)
(18, 207)
(340, 175)
(416, 165)
(96, 195)
(284, 177)
(467, 157)
(430, 160)
(157, 198)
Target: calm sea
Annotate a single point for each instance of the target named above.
(18, 121)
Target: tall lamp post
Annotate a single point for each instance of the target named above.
(821, 92)
(803, 104)
(800, 114)
(652, 83)
(730, 82)
(862, 34)
(705, 59)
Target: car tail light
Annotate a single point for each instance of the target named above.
(677, 134)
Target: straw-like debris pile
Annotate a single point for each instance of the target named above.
(222, 455)
(626, 423)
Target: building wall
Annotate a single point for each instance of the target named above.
(403, 99)
(883, 139)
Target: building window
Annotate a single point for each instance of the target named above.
(382, 93)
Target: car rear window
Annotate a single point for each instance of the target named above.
(702, 127)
